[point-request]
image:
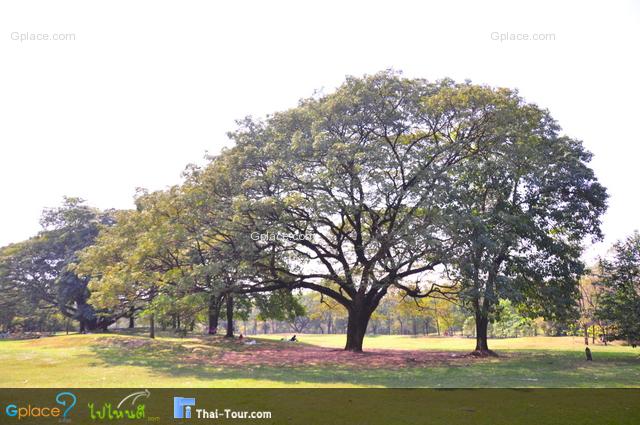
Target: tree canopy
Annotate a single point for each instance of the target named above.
(387, 179)
(388, 186)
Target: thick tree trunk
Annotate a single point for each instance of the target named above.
(132, 323)
(215, 302)
(103, 323)
(229, 298)
(359, 316)
(482, 344)
(152, 326)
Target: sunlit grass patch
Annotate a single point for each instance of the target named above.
(116, 360)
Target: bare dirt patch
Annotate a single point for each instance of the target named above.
(232, 353)
(291, 355)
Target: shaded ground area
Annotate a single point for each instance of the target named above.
(218, 352)
(121, 360)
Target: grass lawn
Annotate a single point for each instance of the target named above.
(118, 360)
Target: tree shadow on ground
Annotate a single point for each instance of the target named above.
(208, 359)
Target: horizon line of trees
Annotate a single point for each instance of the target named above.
(600, 312)
(401, 187)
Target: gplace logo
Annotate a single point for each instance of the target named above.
(182, 407)
(65, 399)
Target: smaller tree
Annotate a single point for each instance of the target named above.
(589, 303)
(38, 273)
(620, 278)
(138, 259)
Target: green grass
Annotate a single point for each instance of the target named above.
(404, 342)
(116, 360)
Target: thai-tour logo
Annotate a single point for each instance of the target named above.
(182, 407)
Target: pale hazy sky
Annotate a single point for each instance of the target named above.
(148, 86)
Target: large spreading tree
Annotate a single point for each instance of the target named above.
(387, 185)
(357, 185)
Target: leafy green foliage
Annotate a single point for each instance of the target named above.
(519, 217)
(38, 271)
(387, 189)
(620, 301)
